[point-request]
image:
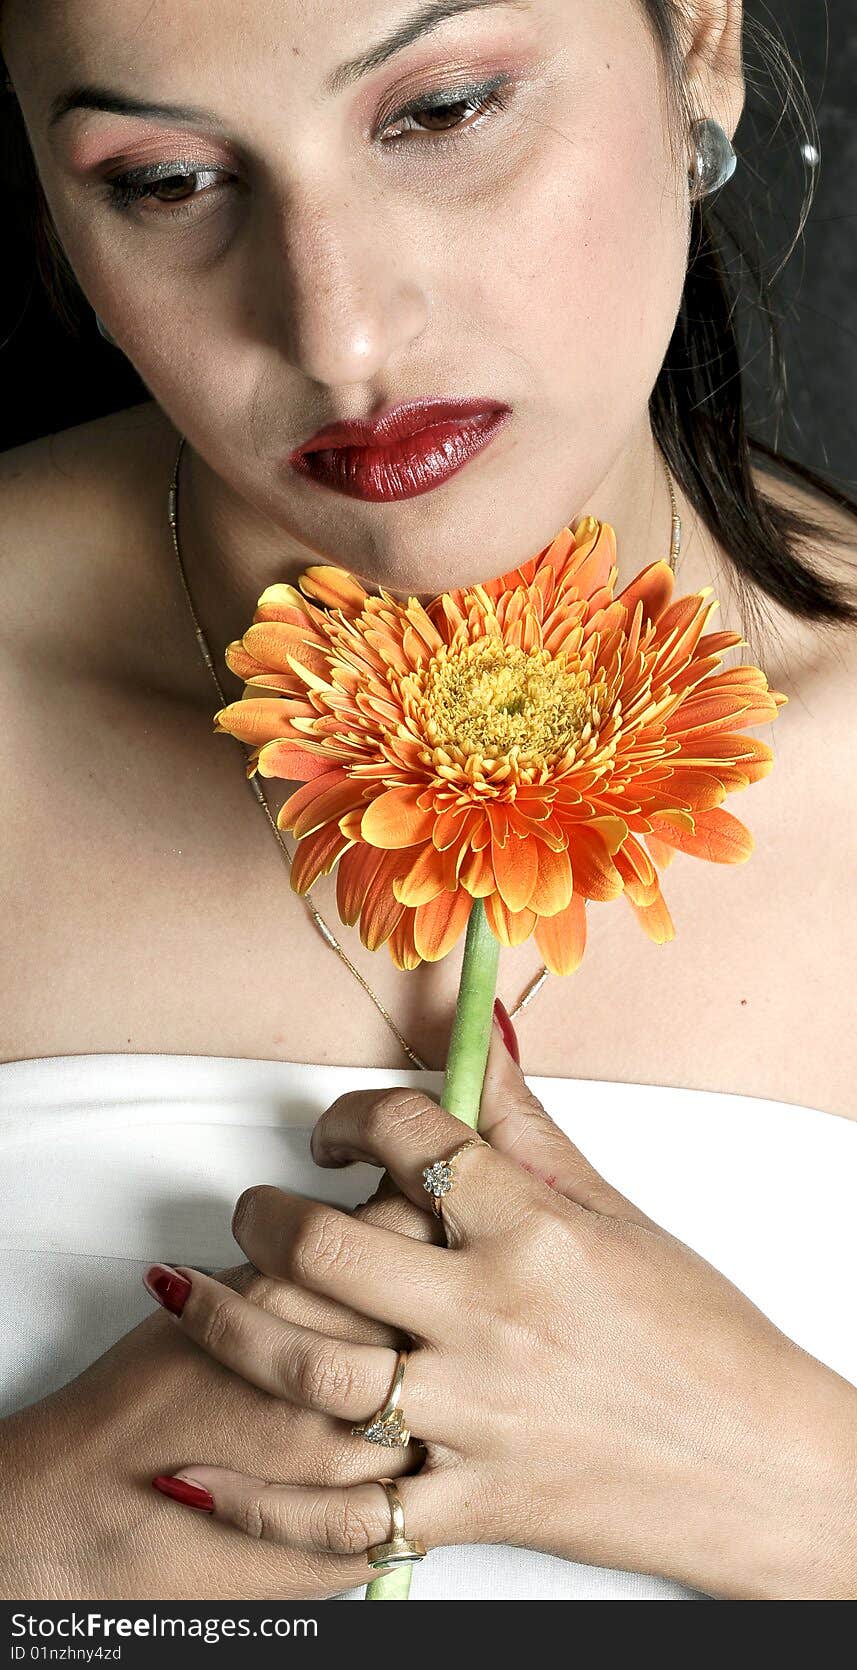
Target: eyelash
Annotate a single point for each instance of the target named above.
(492, 97)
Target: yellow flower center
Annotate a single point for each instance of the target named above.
(492, 699)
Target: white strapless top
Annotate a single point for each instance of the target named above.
(111, 1162)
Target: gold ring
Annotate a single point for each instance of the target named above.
(387, 1425)
(439, 1177)
(399, 1551)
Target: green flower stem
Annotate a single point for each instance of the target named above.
(474, 1015)
(462, 1093)
(395, 1586)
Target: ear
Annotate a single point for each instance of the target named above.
(711, 32)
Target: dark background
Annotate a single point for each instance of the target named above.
(50, 379)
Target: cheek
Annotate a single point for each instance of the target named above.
(190, 346)
(587, 266)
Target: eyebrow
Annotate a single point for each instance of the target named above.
(429, 16)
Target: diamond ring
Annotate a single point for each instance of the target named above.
(439, 1177)
(387, 1425)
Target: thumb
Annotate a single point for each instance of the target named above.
(513, 1120)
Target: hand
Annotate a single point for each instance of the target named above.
(78, 1516)
(583, 1382)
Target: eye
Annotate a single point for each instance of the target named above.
(174, 186)
(450, 112)
(171, 184)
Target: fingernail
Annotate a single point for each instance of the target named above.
(507, 1031)
(168, 1287)
(191, 1495)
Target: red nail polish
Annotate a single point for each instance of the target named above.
(190, 1495)
(168, 1287)
(508, 1033)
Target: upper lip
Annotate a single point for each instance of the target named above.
(396, 422)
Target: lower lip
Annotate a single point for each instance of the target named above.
(406, 468)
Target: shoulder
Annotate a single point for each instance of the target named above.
(80, 468)
(79, 511)
(808, 649)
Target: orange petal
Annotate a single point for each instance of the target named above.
(718, 836)
(714, 643)
(654, 586)
(438, 925)
(401, 943)
(595, 874)
(422, 623)
(516, 868)
(675, 621)
(297, 803)
(356, 871)
(612, 829)
(396, 819)
(260, 719)
(239, 662)
(276, 646)
(701, 789)
(295, 764)
(638, 859)
(327, 807)
(511, 927)
(477, 874)
(447, 826)
(316, 857)
(654, 918)
(334, 587)
(286, 684)
(553, 890)
(282, 602)
(637, 871)
(693, 719)
(684, 638)
(381, 909)
(590, 571)
(424, 880)
(672, 818)
(498, 822)
(754, 757)
(350, 824)
(561, 939)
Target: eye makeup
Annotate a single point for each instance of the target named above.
(465, 108)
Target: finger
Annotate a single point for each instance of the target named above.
(390, 1277)
(309, 1369)
(514, 1121)
(335, 1522)
(388, 1208)
(407, 1132)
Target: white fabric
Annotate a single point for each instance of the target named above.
(111, 1162)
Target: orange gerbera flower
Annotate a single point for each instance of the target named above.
(533, 742)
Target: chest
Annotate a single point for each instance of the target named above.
(149, 909)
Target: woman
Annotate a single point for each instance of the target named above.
(285, 225)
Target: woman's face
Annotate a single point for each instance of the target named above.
(326, 252)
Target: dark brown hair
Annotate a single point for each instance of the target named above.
(697, 406)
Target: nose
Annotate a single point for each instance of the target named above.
(345, 301)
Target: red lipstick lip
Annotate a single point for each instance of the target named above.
(403, 469)
(396, 424)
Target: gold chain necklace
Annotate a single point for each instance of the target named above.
(327, 934)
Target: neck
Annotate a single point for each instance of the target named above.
(232, 550)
